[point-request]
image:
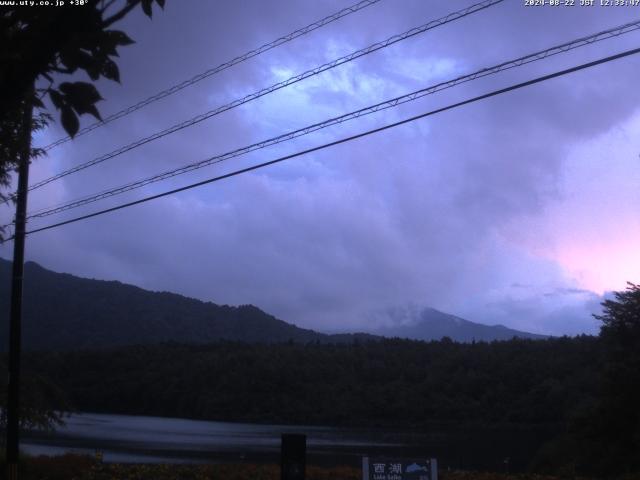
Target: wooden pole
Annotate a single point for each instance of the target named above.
(15, 326)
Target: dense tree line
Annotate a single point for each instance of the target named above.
(608, 436)
(393, 382)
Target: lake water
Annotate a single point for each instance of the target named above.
(126, 438)
(141, 439)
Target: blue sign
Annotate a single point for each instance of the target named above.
(399, 469)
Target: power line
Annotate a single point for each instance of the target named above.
(277, 86)
(347, 139)
(533, 57)
(223, 66)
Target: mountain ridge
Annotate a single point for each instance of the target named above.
(431, 324)
(64, 312)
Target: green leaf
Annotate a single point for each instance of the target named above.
(93, 71)
(69, 121)
(56, 98)
(81, 92)
(92, 110)
(118, 37)
(90, 62)
(146, 7)
(108, 48)
(110, 70)
(86, 61)
(69, 60)
(107, 42)
(82, 97)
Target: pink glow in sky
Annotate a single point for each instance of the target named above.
(593, 229)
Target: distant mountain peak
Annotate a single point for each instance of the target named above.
(427, 323)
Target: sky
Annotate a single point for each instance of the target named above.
(521, 210)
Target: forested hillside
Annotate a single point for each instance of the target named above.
(63, 312)
(393, 382)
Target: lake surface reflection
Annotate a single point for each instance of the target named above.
(140, 439)
(126, 438)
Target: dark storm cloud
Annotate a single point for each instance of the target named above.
(439, 213)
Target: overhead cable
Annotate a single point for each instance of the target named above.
(277, 86)
(345, 139)
(223, 66)
(533, 57)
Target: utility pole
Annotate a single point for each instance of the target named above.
(13, 389)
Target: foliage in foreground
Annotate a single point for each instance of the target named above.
(37, 46)
(79, 467)
(42, 403)
(76, 467)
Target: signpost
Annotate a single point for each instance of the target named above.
(399, 469)
(293, 456)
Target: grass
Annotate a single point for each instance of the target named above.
(79, 467)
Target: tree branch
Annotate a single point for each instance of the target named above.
(107, 6)
(61, 70)
(121, 14)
